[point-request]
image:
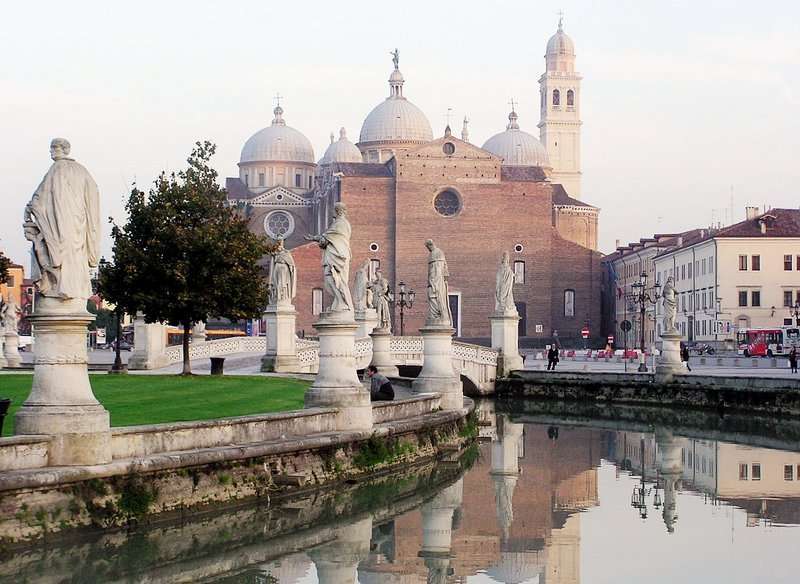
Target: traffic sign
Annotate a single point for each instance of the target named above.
(610, 339)
(625, 325)
(585, 332)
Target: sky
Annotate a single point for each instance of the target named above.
(690, 108)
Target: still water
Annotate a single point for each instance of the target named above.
(540, 499)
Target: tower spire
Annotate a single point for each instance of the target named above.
(465, 130)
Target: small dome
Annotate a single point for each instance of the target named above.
(277, 143)
(517, 148)
(342, 150)
(560, 43)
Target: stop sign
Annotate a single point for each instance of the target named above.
(585, 332)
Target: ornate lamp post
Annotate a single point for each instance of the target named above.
(405, 302)
(644, 296)
(642, 491)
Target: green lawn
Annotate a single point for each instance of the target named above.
(151, 399)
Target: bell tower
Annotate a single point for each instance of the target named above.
(560, 112)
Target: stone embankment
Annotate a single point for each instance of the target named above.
(187, 465)
(763, 395)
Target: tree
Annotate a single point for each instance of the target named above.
(5, 263)
(184, 255)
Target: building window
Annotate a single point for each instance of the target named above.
(798, 263)
(711, 265)
(742, 263)
(374, 268)
(279, 224)
(298, 180)
(787, 297)
(261, 178)
(755, 263)
(742, 298)
(316, 301)
(519, 272)
(556, 97)
(683, 301)
(447, 203)
(449, 148)
(756, 298)
(518, 248)
(704, 266)
(755, 471)
(742, 472)
(788, 472)
(374, 246)
(570, 98)
(310, 183)
(246, 180)
(683, 272)
(569, 303)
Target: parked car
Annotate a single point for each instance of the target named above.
(123, 345)
(701, 348)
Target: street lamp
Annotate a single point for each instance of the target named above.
(794, 312)
(406, 301)
(643, 296)
(642, 491)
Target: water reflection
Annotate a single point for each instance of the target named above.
(541, 499)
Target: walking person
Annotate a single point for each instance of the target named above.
(380, 387)
(685, 356)
(793, 359)
(552, 358)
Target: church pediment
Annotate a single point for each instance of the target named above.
(279, 196)
(449, 147)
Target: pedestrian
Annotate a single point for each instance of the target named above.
(685, 356)
(793, 359)
(380, 387)
(552, 358)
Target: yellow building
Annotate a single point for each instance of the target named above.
(16, 274)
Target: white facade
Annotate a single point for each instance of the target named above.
(560, 125)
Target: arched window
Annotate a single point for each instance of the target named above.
(570, 97)
(569, 303)
(556, 97)
(316, 301)
(519, 272)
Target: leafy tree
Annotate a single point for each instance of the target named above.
(184, 255)
(5, 263)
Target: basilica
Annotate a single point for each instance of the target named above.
(515, 193)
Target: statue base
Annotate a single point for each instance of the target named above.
(61, 402)
(149, 343)
(281, 354)
(438, 375)
(367, 321)
(382, 353)
(669, 362)
(505, 337)
(11, 350)
(337, 384)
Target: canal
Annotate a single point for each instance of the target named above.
(543, 497)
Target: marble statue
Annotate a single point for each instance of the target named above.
(504, 287)
(10, 315)
(438, 298)
(395, 58)
(282, 276)
(62, 220)
(335, 244)
(381, 299)
(362, 291)
(670, 303)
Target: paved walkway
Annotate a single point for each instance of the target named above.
(744, 370)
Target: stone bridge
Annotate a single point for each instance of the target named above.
(477, 365)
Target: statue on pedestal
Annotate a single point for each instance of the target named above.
(381, 299)
(670, 303)
(438, 297)
(9, 317)
(282, 276)
(362, 291)
(62, 220)
(335, 244)
(504, 287)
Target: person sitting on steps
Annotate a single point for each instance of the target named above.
(380, 387)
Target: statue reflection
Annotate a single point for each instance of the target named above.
(670, 468)
(337, 561)
(438, 517)
(506, 451)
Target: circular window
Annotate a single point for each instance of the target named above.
(447, 203)
(518, 248)
(279, 224)
(448, 148)
(374, 246)
(279, 197)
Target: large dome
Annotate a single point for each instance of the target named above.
(277, 143)
(396, 119)
(342, 150)
(517, 148)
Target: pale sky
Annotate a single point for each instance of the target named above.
(683, 102)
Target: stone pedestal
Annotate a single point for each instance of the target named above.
(337, 384)
(61, 402)
(149, 344)
(437, 531)
(505, 337)
(505, 470)
(669, 362)
(670, 467)
(437, 373)
(381, 352)
(281, 355)
(2, 347)
(11, 349)
(366, 320)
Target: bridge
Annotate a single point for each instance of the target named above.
(477, 365)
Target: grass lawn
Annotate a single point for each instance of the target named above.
(151, 399)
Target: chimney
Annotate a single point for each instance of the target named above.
(763, 225)
(680, 240)
(616, 245)
(750, 213)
